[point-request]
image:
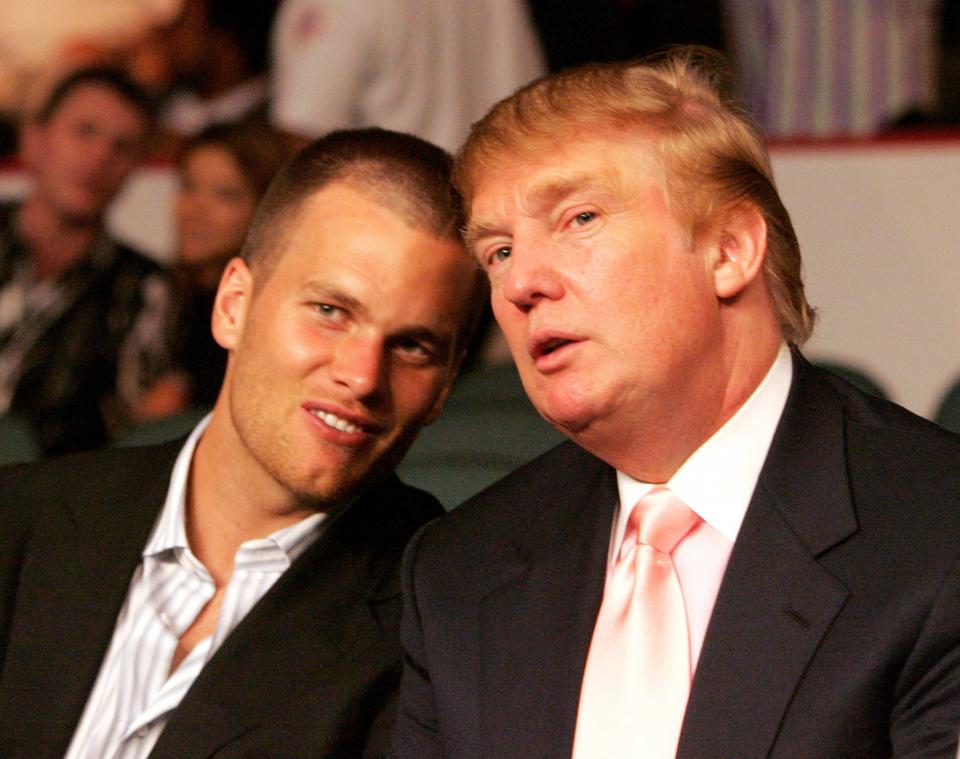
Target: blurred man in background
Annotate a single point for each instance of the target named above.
(81, 314)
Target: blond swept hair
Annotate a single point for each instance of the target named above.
(712, 155)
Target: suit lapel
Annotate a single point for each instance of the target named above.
(535, 627)
(73, 586)
(776, 601)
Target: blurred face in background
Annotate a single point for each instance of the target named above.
(83, 153)
(214, 207)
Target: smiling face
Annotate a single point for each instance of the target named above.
(82, 154)
(343, 350)
(214, 207)
(608, 306)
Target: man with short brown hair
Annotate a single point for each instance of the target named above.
(237, 594)
(81, 314)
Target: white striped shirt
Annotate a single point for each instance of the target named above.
(135, 693)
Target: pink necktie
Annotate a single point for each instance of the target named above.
(637, 677)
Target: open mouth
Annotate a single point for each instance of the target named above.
(549, 346)
(332, 420)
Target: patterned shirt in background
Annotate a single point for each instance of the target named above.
(76, 353)
(828, 68)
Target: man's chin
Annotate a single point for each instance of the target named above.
(328, 494)
(569, 413)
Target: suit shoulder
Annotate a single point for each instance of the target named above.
(510, 512)
(377, 528)
(88, 479)
(411, 507)
(384, 518)
(888, 431)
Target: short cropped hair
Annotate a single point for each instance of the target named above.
(110, 77)
(711, 152)
(403, 173)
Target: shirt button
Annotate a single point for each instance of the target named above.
(142, 732)
(165, 618)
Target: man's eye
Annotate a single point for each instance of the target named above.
(329, 312)
(501, 254)
(584, 218)
(85, 129)
(413, 350)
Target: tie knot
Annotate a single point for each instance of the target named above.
(661, 520)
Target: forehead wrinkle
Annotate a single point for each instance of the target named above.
(544, 193)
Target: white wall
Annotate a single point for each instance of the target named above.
(879, 227)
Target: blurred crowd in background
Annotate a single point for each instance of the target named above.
(226, 91)
(805, 68)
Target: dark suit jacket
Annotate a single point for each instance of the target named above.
(836, 631)
(311, 671)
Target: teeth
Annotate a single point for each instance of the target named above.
(332, 420)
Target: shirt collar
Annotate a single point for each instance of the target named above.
(277, 551)
(718, 479)
(170, 530)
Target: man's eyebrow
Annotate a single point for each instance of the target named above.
(477, 229)
(328, 292)
(540, 196)
(442, 341)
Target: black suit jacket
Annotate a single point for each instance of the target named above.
(311, 671)
(836, 631)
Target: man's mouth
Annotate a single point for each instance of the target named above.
(549, 346)
(332, 420)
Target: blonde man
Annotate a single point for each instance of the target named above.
(647, 279)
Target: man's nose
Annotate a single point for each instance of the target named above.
(100, 156)
(360, 364)
(533, 275)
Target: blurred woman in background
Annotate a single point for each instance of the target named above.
(224, 172)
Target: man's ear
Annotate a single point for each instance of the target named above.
(232, 303)
(741, 249)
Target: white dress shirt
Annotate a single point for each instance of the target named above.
(717, 481)
(135, 692)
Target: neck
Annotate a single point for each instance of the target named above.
(652, 445)
(226, 505)
(54, 242)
